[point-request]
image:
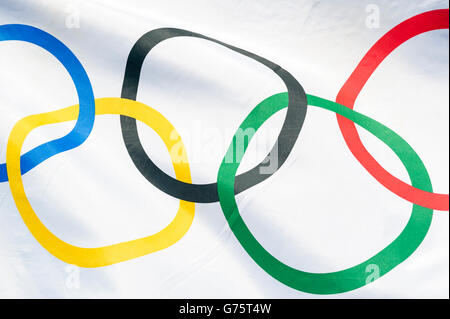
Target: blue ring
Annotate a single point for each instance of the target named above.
(85, 121)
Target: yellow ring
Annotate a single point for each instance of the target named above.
(106, 255)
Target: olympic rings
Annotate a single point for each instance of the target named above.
(428, 21)
(107, 255)
(85, 121)
(345, 280)
(420, 192)
(206, 193)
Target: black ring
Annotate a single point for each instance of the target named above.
(204, 193)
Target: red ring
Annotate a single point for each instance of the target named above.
(428, 21)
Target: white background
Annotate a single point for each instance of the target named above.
(94, 196)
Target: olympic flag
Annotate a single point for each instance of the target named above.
(208, 149)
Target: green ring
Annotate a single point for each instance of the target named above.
(351, 278)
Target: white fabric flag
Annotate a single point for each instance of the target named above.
(316, 219)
